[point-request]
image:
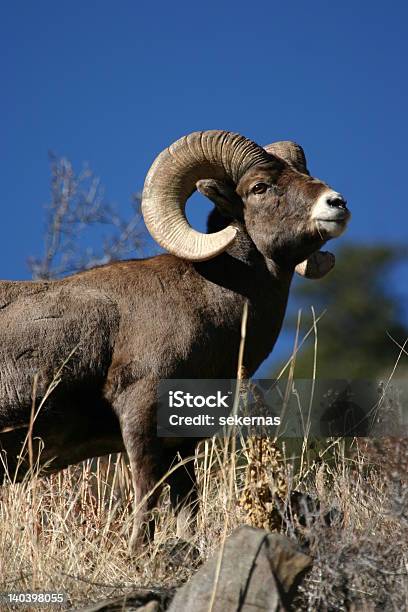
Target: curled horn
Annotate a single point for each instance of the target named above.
(172, 179)
(317, 265)
(291, 152)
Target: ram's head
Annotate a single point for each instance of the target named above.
(288, 214)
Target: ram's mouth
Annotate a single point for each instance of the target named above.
(331, 225)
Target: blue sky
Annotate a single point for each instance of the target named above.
(113, 83)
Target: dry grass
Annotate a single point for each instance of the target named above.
(69, 532)
(344, 502)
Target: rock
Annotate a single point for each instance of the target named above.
(259, 571)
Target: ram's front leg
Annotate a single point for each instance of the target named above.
(136, 410)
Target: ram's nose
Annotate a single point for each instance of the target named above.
(336, 200)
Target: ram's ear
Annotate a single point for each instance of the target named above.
(317, 265)
(223, 195)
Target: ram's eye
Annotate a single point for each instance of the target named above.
(259, 188)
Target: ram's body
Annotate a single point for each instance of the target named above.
(118, 324)
(111, 333)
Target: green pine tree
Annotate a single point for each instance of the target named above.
(362, 314)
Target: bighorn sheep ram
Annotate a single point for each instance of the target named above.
(131, 323)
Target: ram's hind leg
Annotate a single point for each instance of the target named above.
(136, 410)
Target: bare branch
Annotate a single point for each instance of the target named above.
(78, 211)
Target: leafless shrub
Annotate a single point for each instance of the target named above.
(389, 457)
(360, 561)
(78, 207)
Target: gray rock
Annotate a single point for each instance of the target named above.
(259, 571)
